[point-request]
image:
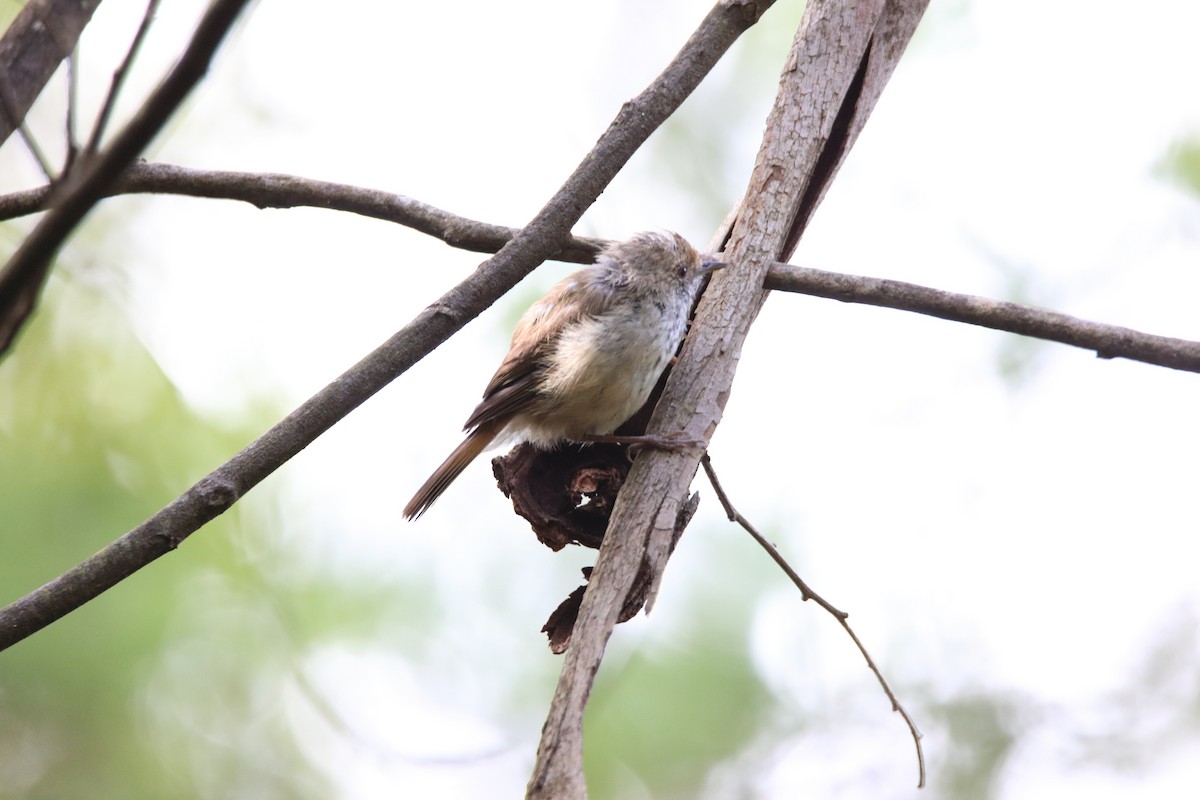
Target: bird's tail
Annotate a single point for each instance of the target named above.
(475, 443)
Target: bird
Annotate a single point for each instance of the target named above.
(585, 357)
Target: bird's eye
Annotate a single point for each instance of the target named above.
(681, 270)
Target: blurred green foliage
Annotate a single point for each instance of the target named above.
(1181, 164)
(981, 729)
(94, 439)
(680, 707)
(8, 12)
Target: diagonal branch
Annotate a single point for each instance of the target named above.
(43, 33)
(830, 46)
(118, 80)
(540, 239)
(806, 593)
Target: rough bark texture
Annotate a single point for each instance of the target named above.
(566, 494)
(43, 33)
(829, 56)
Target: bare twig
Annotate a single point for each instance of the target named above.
(1109, 341)
(118, 80)
(72, 109)
(538, 240)
(8, 111)
(25, 274)
(274, 190)
(806, 593)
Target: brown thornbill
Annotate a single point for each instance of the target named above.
(586, 356)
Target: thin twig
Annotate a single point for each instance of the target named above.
(23, 277)
(72, 109)
(35, 150)
(8, 107)
(118, 80)
(806, 593)
(70, 46)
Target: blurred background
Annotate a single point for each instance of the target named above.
(1010, 523)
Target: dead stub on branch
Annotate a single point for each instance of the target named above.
(567, 496)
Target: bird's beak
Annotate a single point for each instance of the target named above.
(710, 265)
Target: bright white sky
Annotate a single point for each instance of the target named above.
(1034, 534)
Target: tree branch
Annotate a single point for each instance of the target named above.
(825, 62)
(540, 239)
(43, 33)
(23, 277)
(1109, 341)
(269, 190)
(273, 190)
(279, 191)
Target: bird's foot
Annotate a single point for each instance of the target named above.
(671, 442)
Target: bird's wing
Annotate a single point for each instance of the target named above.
(587, 293)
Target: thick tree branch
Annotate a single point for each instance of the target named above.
(43, 33)
(540, 239)
(23, 277)
(825, 62)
